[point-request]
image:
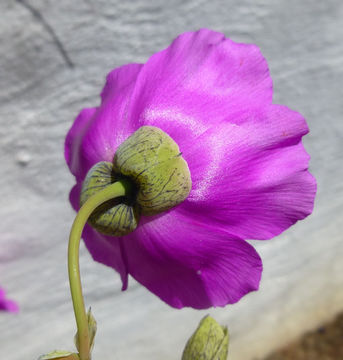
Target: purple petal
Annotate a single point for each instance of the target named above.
(108, 250)
(118, 79)
(6, 304)
(96, 133)
(251, 178)
(201, 79)
(187, 264)
(74, 196)
(73, 142)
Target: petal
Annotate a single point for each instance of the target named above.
(201, 79)
(107, 250)
(118, 79)
(74, 196)
(251, 178)
(73, 142)
(190, 265)
(6, 304)
(96, 133)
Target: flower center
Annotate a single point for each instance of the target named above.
(160, 178)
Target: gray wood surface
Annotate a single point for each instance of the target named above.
(54, 58)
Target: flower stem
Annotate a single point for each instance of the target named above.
(117, 189)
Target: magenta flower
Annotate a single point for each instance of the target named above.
(249, 169)
(6, 304)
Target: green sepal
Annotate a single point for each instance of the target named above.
(210, 341)
(59, 355)
(116, 217)
(152, 160)
(92, 327)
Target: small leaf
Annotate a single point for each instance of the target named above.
(91, 329)
(59, 355)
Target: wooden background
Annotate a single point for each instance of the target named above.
(53, 62)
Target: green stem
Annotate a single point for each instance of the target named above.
(114, 190)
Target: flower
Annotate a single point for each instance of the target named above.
(248, 167)
(5, 304)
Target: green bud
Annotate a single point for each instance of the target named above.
(209, 342)
(116, 217)
(152, 159)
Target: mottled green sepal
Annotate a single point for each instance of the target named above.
(92, 327)
(59, 355)
(115, 217)
(152, 159)
(209, 342)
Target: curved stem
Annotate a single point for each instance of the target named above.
(114, 190)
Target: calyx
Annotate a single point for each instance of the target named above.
(152, 161)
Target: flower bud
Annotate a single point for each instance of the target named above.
(209, 342)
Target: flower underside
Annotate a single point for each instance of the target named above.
(151, 161)
(250, 179)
